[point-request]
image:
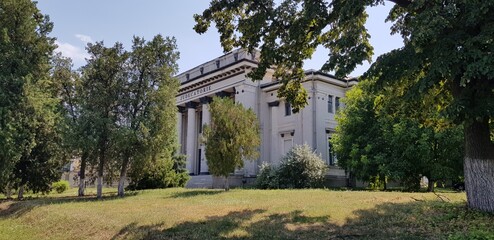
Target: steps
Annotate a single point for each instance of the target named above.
(200, 181)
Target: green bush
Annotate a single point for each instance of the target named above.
(169, 173)
(60, 186)
(301, 168)
(267, 177)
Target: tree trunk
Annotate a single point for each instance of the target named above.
(101, 166)
(8, 191)
(430, 185)
(82, 174)
(479, 166)
(20, 194)
(227, 185)
(123, 175)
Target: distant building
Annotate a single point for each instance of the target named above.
(281, 129)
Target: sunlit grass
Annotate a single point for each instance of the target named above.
(247, 214)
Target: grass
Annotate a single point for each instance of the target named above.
(245, 214)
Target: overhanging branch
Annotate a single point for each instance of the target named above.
(401, 3)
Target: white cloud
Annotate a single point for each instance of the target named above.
(77, 54)
(85, 38)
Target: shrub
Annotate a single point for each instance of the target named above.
(167, 173)
(60, 186)
(301, 168)
(267, 177)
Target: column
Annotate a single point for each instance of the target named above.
(246, 95)
(206, 119)
(275, 141)
(191, 136)
(180, 112)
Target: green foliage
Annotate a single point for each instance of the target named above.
(232, 137)
(301, 168)
(60, 186)
(31, 154)
(163, 174)
(382, 135)
(267, 177)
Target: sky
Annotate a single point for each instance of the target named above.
(77, 23)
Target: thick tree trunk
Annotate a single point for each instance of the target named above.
(82, 174)
(20, 194)
(479, 166)
(123, 176)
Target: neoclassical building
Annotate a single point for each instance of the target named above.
(281, 129)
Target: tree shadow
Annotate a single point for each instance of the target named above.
(195, 193)
(17, 208)
(412, 220)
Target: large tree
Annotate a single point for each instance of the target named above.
(232, 137)
(147, 115)
(103, 84)
(28, 117)
(447, 42)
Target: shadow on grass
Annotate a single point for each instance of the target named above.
(412, 220)
(17, 208)
(195, 193)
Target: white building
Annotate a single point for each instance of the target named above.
(280, 128)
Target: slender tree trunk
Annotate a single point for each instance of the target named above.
(430, 185)
(8, 191)
(101, 167)
(227, 184)
(479, 166)
(20, 194)
(123, 175)
(82, 173)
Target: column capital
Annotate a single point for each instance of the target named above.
(274, 103)
(191, 105)
(181, 109)
(206, 100)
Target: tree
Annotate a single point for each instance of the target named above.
(103, 81)
(28, 114)
(446, 42)
(78, 129)
(232, 137)
(148, 111)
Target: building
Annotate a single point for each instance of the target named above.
(281, 129)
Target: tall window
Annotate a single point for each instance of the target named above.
(337, 103)
(288, 109)
(331, 154)
(330, 103)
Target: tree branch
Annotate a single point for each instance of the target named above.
(401, 3)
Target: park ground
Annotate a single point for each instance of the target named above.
(245, 214)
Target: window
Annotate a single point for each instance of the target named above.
(337, 103)
(288, 109)
(330, 103)
(331, 155)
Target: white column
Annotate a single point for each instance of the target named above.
(275, 140)
(206, 119)
(247, 96)
(191, 138)
(179, 131)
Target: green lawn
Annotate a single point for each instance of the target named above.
(245, 214)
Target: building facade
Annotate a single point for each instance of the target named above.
(281, 129)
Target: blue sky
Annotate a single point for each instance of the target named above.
(80, 22)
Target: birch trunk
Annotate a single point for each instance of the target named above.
(123, 176)
(82, 173)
